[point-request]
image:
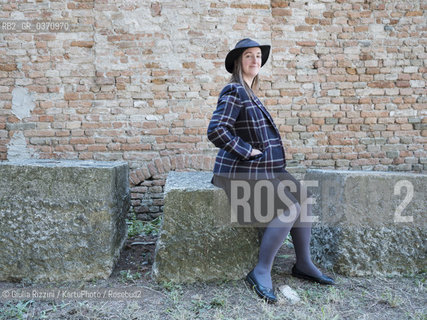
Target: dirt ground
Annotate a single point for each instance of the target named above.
(130, 293)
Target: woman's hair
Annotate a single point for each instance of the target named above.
(237, 76)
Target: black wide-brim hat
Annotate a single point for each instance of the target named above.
(241, 46)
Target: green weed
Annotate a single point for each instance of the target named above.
(127, 276)
(16, 311)
(138, 227)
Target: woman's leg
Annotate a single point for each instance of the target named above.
(273, 237)
(272, 240)
(301, 235)
(277, 231)
(301, 230)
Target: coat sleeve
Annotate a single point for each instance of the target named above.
(221, 127)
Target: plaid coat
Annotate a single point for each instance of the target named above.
(239, 124)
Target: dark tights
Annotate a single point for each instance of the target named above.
(274, 235)
(277, 229)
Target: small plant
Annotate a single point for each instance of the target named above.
(288, 241)
(134, 227)
(391, 299)
(152, 227)
(199, 305)
(128, 276)
(174, 291)
(170, 286)
(138, 227)
(218, 302)
(16, 311)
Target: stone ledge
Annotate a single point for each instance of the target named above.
(357, 234)
(194, 242)
(61, 220)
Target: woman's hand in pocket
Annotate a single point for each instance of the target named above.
(255, 152)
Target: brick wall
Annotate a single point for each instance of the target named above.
(137, 80)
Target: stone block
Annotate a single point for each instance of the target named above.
(370, 223)
(196, 241)
(61, 220)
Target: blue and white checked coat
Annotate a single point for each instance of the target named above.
(239, 124)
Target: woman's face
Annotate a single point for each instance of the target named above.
(251, 62)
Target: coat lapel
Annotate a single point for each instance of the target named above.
(264, 110)
(255, 99)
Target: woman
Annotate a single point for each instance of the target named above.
(251, 154)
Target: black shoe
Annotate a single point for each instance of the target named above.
(265, 293)
(323, 279)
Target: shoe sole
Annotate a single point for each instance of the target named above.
(254, 288)
(301, 276)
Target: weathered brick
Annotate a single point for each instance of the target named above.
(280, 12)
(279, 4)
(8, 67)
(413, 13)
(306, 43)
(84, 44)
(311, 20)
(303, 28)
